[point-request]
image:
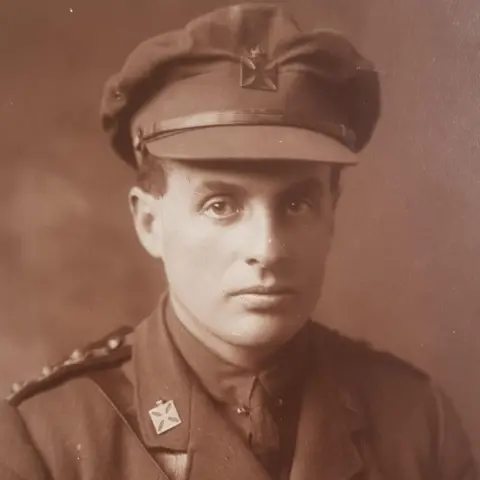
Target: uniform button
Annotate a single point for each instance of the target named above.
(242, 411)
(117, 95)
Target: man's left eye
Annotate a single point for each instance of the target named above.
(297, 207)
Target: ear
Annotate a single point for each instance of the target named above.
(336, 197)
(336, 177)
(146, 211)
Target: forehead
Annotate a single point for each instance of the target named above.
(264, 173)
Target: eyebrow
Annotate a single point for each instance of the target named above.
(222, 186)
(305, 185)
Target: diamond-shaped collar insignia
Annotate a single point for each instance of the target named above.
(164, 416)
(256, 73)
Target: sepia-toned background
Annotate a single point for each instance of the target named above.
(405, 270)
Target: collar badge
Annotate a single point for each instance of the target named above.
(164, 416)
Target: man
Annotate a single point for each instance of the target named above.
(239, 127)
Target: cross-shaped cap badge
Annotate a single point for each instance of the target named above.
(164, 416)
(256, 73)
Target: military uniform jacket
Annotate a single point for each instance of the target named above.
(364, 415)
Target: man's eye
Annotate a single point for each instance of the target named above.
(221, 209)
(297, 207)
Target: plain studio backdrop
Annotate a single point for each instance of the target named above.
(405, 269)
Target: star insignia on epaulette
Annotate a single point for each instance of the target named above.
(256, 72)
(100, 353)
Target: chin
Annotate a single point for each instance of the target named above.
(261, 330)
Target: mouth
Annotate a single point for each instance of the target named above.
(263, 298)
(274, 290)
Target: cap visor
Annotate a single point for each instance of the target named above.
(252, 142)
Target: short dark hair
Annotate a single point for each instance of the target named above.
(152, 175)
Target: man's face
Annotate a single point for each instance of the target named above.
(244, 245)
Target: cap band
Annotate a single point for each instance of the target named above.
(239, 117)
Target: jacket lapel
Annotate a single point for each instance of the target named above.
(329, 419)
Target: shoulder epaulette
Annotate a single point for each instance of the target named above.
(105, 352)
(364, 351)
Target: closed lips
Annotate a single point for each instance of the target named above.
(262, 290)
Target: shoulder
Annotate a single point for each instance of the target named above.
(388, 387)
(360, 358)
(404, 407)
(392, 394)
(106, 353)
(47, 420)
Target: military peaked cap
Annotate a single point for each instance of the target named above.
(243, 82)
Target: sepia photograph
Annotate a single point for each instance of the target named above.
(240, 240)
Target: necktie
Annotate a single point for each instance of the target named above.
(264, 437)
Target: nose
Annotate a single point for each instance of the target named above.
(264, 243)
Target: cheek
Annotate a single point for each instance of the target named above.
(183, 243)
(311, 250)
(192, 253)
(311, 244)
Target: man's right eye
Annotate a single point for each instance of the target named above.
(221, 209)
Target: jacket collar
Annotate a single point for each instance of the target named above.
(160, 375)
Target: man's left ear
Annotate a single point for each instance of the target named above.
(335, 197)
(335, 184)
(146, 211)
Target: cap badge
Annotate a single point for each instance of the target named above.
(164, 416)
(256, 73)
